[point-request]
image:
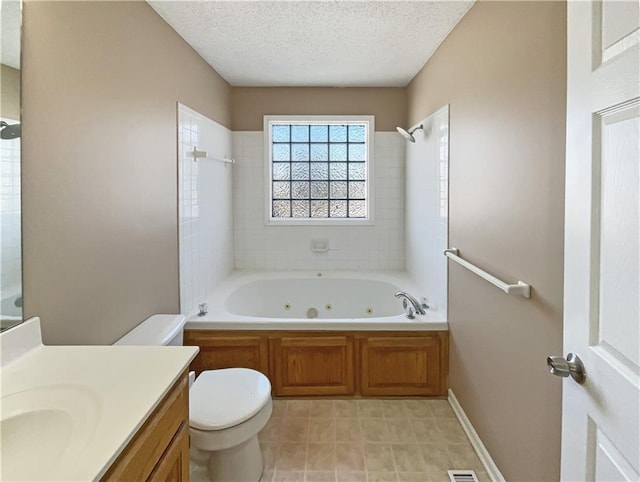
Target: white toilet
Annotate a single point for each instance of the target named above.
(227, 408)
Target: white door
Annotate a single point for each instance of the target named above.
(600, 427)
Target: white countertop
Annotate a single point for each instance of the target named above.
(120, 385)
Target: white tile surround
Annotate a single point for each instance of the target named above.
(262, 247)
(204, 200)
(10, 237)
(427, 183)
(222, 212)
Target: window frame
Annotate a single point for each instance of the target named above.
(368, 120)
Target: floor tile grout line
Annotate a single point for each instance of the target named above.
(395, 463)
(444, 418)
(306, 455)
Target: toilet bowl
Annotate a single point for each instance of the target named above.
(227, 408)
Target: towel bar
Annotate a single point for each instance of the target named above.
(521, 288)
(196, 154)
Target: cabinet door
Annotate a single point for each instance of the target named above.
(226, 351)
(313, 365)
(139, 459)
(174, 464)
(402, 366)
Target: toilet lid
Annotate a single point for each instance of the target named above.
(223, 398)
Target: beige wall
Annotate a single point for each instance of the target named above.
(503, 70)
(101, 81)
(9, 92)
(250, 104)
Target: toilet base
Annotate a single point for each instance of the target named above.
(242, 463)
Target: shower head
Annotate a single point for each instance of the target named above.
(9, 131)
(408, 135)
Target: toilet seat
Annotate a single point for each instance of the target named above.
(220, 399)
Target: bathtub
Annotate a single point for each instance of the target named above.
(301, 300)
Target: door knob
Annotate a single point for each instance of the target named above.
(571, 366)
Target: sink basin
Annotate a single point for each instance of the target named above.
(43, 433)
(44, 427)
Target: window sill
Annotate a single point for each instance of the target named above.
(320, 222)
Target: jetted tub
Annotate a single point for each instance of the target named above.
(323, 334)
(301, 300)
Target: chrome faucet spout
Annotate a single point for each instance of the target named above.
(419, 307)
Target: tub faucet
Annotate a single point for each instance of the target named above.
(419, 307)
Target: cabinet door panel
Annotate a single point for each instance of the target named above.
(174, 464)
(401, 366)
(313, 365)
(229, 352)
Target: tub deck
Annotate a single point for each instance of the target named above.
(429, 322)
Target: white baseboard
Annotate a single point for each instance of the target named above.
(483, 454)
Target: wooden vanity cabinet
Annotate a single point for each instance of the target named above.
(160, 449)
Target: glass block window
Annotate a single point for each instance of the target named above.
(319, 168)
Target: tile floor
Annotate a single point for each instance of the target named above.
(365, 440)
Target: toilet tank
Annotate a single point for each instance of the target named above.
(157, 330)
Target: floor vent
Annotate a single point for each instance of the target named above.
(462, 476)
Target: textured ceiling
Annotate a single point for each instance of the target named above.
(314, 43)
